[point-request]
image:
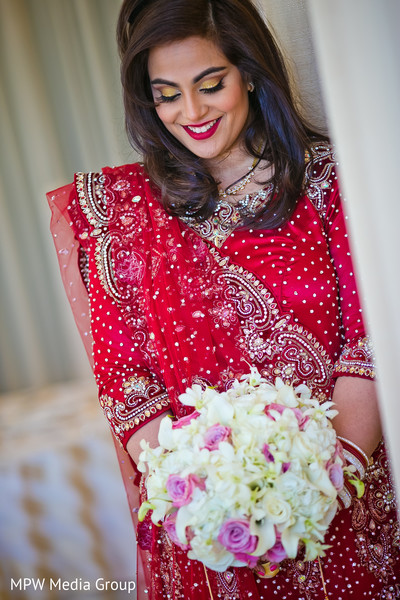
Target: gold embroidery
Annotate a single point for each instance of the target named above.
(282, 347)
(125, 416)
(91, 189)
(226, 218)
(318, 182)
(357, 358)
(374, 521)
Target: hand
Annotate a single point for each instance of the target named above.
(149, 432)
(358, 420)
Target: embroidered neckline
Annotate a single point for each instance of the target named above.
(227, 217)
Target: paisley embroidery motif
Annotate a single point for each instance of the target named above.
(227, 585)
(317, 180)
(281, 347)
(357, 358)
(374, 521)
(144, 398)
(112, 214)
(306, 578)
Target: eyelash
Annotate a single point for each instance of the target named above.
(163, 99)
(220, 85)
(212, 90)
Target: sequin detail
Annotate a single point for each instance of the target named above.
(281, 347)
(357, 358)
(363, 559)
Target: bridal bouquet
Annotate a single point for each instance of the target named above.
(251, 475)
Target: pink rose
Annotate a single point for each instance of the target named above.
(180, 489)
(276, 554)
(335, 473)
(216, 434)
(185, 420)
(170, 528)
(236, 537)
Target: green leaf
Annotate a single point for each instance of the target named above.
(144, 509)
(359, 485)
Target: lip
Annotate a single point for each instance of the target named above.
(202, 135)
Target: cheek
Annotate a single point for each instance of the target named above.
(166, 114)
(236, 102)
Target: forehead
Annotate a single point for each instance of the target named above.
(184, 58)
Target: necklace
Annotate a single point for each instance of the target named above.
(227, 216)
(249, 205)
(233, 189)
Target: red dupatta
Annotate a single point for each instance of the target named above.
(174, 280)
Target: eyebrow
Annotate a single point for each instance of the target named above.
(195, 80)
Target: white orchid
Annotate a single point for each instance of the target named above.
(192, 396)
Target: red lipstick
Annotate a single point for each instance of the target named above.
(211, 128)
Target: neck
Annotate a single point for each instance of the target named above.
(232, 167)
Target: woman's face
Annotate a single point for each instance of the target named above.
(201, 97)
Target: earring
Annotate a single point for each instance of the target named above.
(251, 86)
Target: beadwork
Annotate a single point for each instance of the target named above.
(290, 291)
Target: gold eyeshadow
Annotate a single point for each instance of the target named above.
(169, 92)
(210, 83)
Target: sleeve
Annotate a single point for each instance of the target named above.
(131, 391)
(356, 358)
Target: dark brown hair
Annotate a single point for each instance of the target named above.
(235, 26)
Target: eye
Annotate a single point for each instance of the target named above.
(168, 94)
(212, 85)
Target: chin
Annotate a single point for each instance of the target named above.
(206, 154)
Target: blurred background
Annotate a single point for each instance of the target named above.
(63, 511)
(62, 506)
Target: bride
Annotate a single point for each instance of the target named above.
(226, 247)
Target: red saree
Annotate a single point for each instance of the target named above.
(173, 303)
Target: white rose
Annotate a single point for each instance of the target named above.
(277, 510)
(213, 554)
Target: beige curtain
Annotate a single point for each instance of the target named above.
(289, 20)
(60, 113)
(358, 50)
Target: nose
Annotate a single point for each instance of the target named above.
(194, 108)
